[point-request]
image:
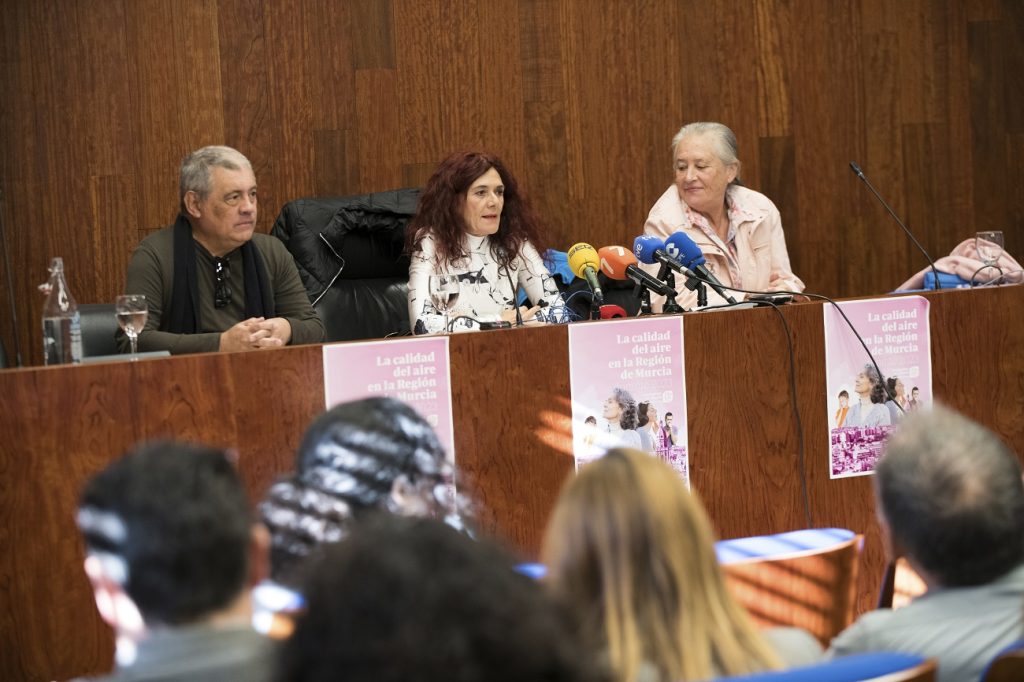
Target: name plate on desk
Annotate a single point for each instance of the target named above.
(415, 371)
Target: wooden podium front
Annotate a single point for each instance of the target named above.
(511, 416)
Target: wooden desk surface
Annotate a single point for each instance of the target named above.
(511, 412)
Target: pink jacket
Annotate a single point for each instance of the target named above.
(762, 263)
(964, 261)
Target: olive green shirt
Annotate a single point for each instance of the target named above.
(151, 273)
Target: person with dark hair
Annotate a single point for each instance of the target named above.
(171, 552)
(211, 282)
(844, 408)
(410, 599)
(474, 221)
(950, 499)
(895, 399)
(869, 409)
(915, 401)
(738, 230)
(374, 454)
(651, 437)
(671, 432)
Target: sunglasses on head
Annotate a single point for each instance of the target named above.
(221, 279)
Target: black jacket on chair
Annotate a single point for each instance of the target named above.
(349, 252)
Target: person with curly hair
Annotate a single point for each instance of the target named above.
(474, 221)
(620, 413)
(631, 551)
(869, 409)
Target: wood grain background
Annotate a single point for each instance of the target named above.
(102, 99)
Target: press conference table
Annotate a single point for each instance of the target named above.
(510, 393)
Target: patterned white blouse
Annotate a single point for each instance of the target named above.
(484, 289)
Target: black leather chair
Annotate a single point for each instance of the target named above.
(99, 324)
(349, 253)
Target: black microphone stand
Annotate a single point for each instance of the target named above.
(641, 292)
(860, 174)
(694, 284)
(666, 275)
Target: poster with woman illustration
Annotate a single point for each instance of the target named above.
(628, 389)
(865, 404)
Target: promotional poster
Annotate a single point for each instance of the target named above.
(628, 389)
(863, 405)
(414, 371)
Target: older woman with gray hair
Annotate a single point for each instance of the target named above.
(738, 230)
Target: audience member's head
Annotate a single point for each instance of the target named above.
(168, 535)
(411, 599)
(951, 499)
(632, 552)
(368, 455)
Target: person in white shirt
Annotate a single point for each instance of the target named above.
(474, 222)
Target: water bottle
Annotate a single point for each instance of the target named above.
(62, 324)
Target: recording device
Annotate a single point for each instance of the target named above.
(775, 298)
(611, 312)
(649, 249)
(618, 263)
(860, 174)
(584, 263)
(692, 258)
(502, 324)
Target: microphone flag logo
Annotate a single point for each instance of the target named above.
(672, 250)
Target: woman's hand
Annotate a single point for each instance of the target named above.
(527, 313)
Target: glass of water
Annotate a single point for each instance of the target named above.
(132, 311)
(989, 246)
(444, 293)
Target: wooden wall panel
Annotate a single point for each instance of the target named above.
(104, 97)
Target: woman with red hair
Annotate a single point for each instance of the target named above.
(474, 222)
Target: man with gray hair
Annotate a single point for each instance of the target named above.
(211, 281)
(951, 500)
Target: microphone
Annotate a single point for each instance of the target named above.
(860, 174)
(500, 251)
(584, 263)
(649, 249)
(618, 263)
(610, 312)
(693, 258)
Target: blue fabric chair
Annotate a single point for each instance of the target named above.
(1008, 666)
(877, 667)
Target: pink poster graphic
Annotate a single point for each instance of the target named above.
(415, 371)
(863, 405)
(629, 389)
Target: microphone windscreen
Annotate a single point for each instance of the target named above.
(689, 254)
(645, 246)
(614, 260)
(609, 312)
(580, 256)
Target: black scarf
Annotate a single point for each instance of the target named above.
(184, 313)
